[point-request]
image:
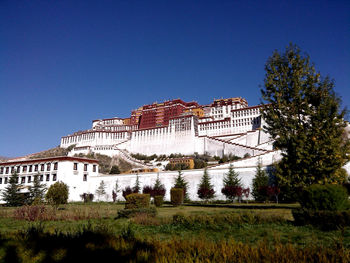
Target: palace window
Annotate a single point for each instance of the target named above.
(7, 170)
(29, 179)
(12, 169)
(48, 167)
(6, 179)
(75, 167)
(41, 178)
(36, 167)
(24, 169)
(23, 180)
(94, 168)
(85, 177)
(30, 168)
(42, 167)
(0, 180)
(85, 167)
(47, 177)
(54, 177)
(1, 170)
(55, 166)
(18, 169)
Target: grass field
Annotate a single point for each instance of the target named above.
(73, 217)
(174, 229)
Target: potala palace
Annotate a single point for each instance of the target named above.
(226, 126)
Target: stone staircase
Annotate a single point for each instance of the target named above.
(124, 154)
(237, 144)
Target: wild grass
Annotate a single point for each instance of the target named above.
(217, 224)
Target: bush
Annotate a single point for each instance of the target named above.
(324, 197)
(128, 213)
(231, 192)
(158, 200)
(136, 201)
(33, 213)
(147, 189)
(177, 196)
(326, 220)
(57, 194)
(87, 197)
(127, 191)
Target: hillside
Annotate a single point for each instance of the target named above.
(105, 162)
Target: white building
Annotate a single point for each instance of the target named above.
(75, 172)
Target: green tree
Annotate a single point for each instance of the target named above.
(11, 194)
(231, 178)
(180, 182)
(101, 190)
(37, 190)
(205, 189)
(232, 185)
(114, 170)
(57, 194)
(158, 188)
(260, 184)
(136, 188)
(303, 116)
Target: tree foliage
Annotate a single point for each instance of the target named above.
(101, 190)
(158, 188)
(57, 194)
(180, 182)
(136, 188)
(205, 189)
(231, 178)
(303, 116)
(260, 184)
(232, 185)
(11, 194)
(37, 190)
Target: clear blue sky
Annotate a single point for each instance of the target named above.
(65, 63)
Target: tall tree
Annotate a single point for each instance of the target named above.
(136, 188)
(180, 182)
(205, 189)
(37, 190)
(260, 184)
(101, 190)
(158, 188)
(232, 178)
(232, 185)
(11, 194)
(303, 116)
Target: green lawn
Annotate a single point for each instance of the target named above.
(74, 217)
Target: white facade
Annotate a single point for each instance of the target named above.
(75, 172)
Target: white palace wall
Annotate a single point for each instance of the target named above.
(193, 178)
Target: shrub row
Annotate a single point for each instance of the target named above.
(326, 220)
(214, 221)
(128, 213)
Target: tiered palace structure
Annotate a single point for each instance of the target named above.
(225, 126)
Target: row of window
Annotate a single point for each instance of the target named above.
(28, 168)
(6, 180)
(75, 167)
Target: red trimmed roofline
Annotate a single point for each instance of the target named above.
(57, 158)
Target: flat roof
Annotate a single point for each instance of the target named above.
(48, 159)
